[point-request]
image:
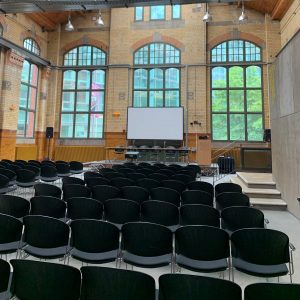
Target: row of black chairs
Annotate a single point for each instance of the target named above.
(60, 282)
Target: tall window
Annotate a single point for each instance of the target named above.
(32, 46)
(176, 11)
(83, 93)
(156, 86)
(236, 92)
(157, 12)
(139, 13)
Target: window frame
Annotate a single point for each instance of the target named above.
(143, 14)
(34, 45)
(162, 19)
(180, 12)
(244, 65)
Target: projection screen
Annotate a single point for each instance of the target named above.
(155, 123)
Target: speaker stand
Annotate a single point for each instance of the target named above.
(48, 146)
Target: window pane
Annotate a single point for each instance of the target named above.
(97, 101)
(156, 78)
(236, 100)
(255, 127)
(68, 100)
(71, 58)
(82, 101)
(34, 75)
(140, 99)
(236, 50)
(172, 55)
(81, 125)
(253, 53)
(156, 99)
(21, 123)
(254, 101)
(219, 53)
(156, 53)
(219, 79)
(219, 126)
(172, 98)
(236, 77)
(141, 56)
(253, 77)
(25, 71)
(23, 95)
(96, 126)
(31, 98)
(66, 128)
(30, 124)
(99, 57)
(84, 56)
(172, 78)
(83, 81)
(219, 101)
(237, 127)
(98, 80)
(140, 79)
(157, 12)
(69, 80)
(176, 14)
(139, 13)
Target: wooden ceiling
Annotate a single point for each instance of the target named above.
(275, 8)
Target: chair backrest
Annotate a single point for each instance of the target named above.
(105, 192)
(135, 193)
(48, 171)
(136, 176)
(197, 197)
(144, 164)
(257, 246)
(192, 287)
(84, 208)
(72, 180)
(160, 212)
(183, 178)
(229, 199)
(25, 176)
(202, 242)
(227, 187)
(55, 281)
(76, 166)
(165, 194)
(15, 206)
(94, 236)
(8, 173)
(4, 275)
(120, 211)
(44, 189)
(158, 176)
(272, 291)
(10, 229)
(90, 174)
(198, 214)
(146, 239)
(93, 181)
(4, 180)
(75, 190)
(116, 284)
(148, 183)
(48, 206)
(166, 171)
(201, 186)
(173, 184)
(62, 168)
(35, 169)
(122, 181)
(239, 217)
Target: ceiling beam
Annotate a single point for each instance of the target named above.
(280, 9)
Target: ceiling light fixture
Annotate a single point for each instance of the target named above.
(207, 16)
(243, 17)
(69, 26)
(99, 21)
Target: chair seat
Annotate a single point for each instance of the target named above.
(103, 257)
(260, 270)
(26, 184)
(201, 265)
(151, 262)
(9, 247)
(50, 253)
(49, 179)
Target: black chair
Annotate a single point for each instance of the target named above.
(227, 187)
(116, 284)
(48, 206)
(90, 174)
(111, 175)
(126, 170)
(167, 172)
(45, 237)
(4, 275)
(76, 167)
(55, 281)
(160, 212)
(25, 178)
(135, 176)
(146, 245)
(72, 180)
(239, 217)
(48, 173)
(198, 214)
(121, 211)
(34, 162)
(94, 241)
(272, 291)
(191, 287)
(11, 175)
(105, 192)
(158, 177)
(84, 208)
(183, 178)
(63, 169)
(201, 186)
(20, 164)
(197, 197)
(148, 183)
(165, 194)
(35, 169)
(44, 189)
(196, 169)
(145, 171)
(261, 252)
(48, 162)
(176, 185)
(10, 234)
(4, 185)
(144, 164)
(202, 248)
(122, 181)
(93, 181)
(75, 190)
(14, 206)
(229, 199)
(135, 193)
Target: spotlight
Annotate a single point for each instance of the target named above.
(69, 26)
(207, 17)
(243, 17)
(99, 21)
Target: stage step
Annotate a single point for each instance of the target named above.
(257, 180)
(268, 203)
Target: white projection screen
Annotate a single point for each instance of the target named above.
(155, 123)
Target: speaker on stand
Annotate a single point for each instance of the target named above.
(49, 136)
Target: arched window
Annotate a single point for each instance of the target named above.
(236, 92)
(83, 93)
(32, 46)
(156, 86)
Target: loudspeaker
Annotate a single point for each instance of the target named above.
(267, 136)
(49, 132)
